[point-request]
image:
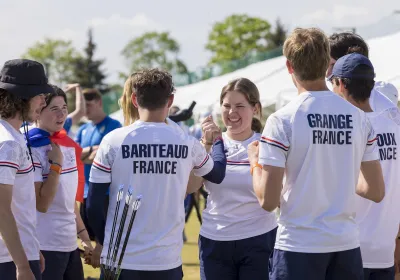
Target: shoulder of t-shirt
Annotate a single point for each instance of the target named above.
(115, 137)
(392, 114)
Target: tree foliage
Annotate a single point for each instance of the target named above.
(238, 36)
(88, 71)
(278, 36)
(154, 49)
(57, 56)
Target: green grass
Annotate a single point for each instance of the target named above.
(190, 253)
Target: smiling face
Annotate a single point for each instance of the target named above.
(52, 118)
(237, 113)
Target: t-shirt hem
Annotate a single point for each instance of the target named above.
(276, 163)
(317, 249)
(369, 157)
(378, 265)
(59, 249)
(30, 258)
(128, 266)
(6, 181)
(224, 237)
(99, 180)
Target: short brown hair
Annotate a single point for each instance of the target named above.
(91, 94)
(152, 87)
(57, 92)
(10, 105)
(346, 43)
(308, 51)
(250, 91)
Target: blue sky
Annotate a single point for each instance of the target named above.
(115, 22)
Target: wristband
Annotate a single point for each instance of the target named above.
(81, 231)
(204, 142)
(56, 168)
(254, 166)
(218, 138)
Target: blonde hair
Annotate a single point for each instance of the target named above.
(308, 51)
(129, 111)
(250, 91)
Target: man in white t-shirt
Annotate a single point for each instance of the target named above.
(382, 96)
(154, 160)
(353, 79)
(319, 141)
(23, 84)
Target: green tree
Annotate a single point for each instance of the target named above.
(57, 56)
(238, 36)
(278, 36)
(154, 49)
(88, 71)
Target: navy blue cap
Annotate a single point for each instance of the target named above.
(346, 67)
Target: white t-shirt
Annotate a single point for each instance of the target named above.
(16, 169)
(233, 211)
(321, 140)
(379, 102)
(56, 229)
(155, 160)
(379, 222)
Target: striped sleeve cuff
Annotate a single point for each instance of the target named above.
(274, 143)
(101, 167)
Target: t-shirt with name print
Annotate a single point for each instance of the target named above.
(153, 160)
(16, 169)
(233, 211)
(379, 222)
(320, 139)
(56, 228)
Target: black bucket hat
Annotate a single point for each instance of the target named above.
(24, 78)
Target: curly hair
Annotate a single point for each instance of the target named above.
(11, 105)
(152, 87)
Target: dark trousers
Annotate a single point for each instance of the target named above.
(8, 271)
(344, 265)
(171, 274)
(236, 260)
(379, 273)
(62, 266)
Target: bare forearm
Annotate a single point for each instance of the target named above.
(79, 107)
(11, 238)
(256, 185)
(194, 183)
(46, 192)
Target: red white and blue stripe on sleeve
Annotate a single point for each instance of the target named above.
(101, 167)
(202, 163)
(371, 142)
(274, 143)
(9, 164)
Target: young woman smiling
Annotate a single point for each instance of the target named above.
(237, 236)
(58, 186)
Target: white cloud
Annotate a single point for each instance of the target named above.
(338, 14)
(139, 20)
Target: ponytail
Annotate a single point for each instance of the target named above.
(256, 125)
(255, 122)
(129, 111)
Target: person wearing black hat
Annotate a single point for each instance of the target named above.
(353, 78)
(23, 84)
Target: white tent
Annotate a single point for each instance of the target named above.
(275, 84)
